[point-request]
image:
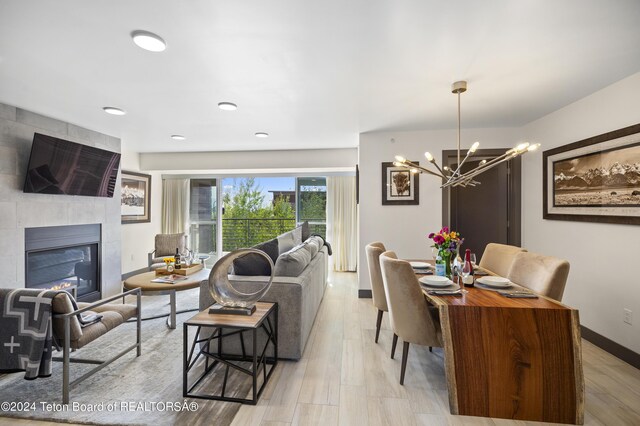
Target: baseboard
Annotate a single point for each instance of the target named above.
(132, 273)
(615, 349)
(364, 294)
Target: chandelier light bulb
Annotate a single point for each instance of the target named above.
(429, 156)
(474, 147)
(522, 146)
(398, 164)
(400, 159)
(533, 147)
(414, 171)
(483, 162)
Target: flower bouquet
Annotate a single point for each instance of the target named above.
(448, 245)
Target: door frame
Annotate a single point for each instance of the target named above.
(514, 188)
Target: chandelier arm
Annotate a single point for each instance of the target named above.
(472, 173)
(490, 162)
(457, 172)
(409, 165)
(439, 169)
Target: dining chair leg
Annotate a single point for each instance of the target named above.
(430, 349)
(393, 345)
(378, 324)
(405, 355)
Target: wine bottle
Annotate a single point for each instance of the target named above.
(468, 281)
(177, 259)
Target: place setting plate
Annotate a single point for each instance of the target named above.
(494, 283)
(420, 265)
(437, 283)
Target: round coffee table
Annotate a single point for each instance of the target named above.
(143, 282)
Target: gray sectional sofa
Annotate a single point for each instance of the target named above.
(301, 271)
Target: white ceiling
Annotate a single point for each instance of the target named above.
(313, 74)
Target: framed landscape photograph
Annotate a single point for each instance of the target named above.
(135, 198)
(399, 186)
(594, 180)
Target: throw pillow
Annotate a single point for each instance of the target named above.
(312, 246)
(293, 262)
(254, 264)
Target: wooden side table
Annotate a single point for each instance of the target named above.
(264, 319)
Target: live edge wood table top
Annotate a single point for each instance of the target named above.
(512, 358)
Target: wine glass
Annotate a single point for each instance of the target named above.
(472, 257)
(466, 271)
(187, 257)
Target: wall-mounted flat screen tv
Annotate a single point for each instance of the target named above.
(58, 166)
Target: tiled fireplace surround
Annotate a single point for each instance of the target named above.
(19, 210)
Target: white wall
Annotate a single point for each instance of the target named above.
(603, 278)
(138, 238)
(404, 229)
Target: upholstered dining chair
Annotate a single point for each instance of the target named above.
(166, 245)
(497, 258)
(411, 317)
(374, 250)
(545, 275)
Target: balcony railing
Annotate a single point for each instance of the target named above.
(239, 233)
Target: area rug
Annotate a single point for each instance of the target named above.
(141, 390)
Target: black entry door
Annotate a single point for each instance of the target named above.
(489, 212)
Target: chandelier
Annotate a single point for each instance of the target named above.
(455, 177)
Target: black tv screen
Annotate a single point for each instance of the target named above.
(58, 166)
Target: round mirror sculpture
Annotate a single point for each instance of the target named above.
(221, 289)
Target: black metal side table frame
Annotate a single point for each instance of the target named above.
(259, 360)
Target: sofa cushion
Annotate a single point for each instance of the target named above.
(293, 262)
(254, 264)
(289, 240)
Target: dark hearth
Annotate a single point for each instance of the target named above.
(64, 257)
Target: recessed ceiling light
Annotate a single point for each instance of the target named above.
(148, 41)
(178, 137)
(261, 135)
(227, 106)
(114, 110)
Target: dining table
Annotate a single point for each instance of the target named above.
(512, 358)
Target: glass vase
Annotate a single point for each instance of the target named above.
(446, 256)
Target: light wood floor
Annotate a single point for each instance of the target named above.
(345, 378)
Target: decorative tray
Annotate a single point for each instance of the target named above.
(192, 269)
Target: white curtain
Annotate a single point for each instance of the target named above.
(342, 226)
(175, 206)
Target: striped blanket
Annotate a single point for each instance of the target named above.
(25, 331)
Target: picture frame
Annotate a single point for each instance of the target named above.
(135, 197)
(400, 187)
(595, 179)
